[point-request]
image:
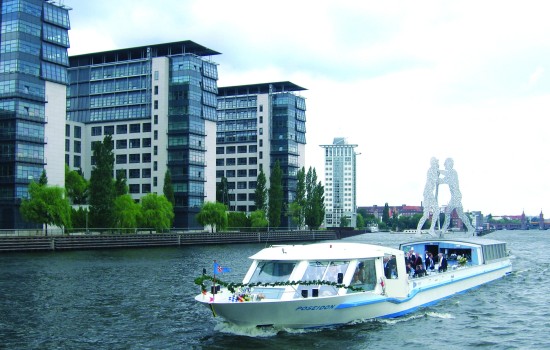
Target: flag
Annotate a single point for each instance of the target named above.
(218, 269)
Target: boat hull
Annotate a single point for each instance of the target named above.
(342, 309)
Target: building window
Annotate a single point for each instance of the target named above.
(155, 181)
(155, 135)
(261, 107)
(134, 158)
(109, 130)
(220, 150)
(133, 188)
(156, 75)
(146, 142)
(230, 173)
(146, 158)
(241, 149)
(121, 144)
(261, 155)
(261, 119)
(241, 161)
(76, 162)
(155, 166)
(241, 173)
(135, 128)
(146, 173)
(261, 131)
(96, 130)
(67, 130)
(121, 159)
(77, 147)
(219, 174)
(122, 129)
(145, 188)
(220, 162)
(77, 132)
(146, 127)
(155, 150)
(252, 149)
(252, 160)
(135, 143)
(156, 90)
(134, 173)
(252, 172)
(67, 145)
(230, 161)
(156, 104)
(156, 119)
(230, 149)
(241, 185)
(261, 143)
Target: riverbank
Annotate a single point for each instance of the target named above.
(74, 242)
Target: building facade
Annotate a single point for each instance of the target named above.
(33, 79)
(257, 126)
(158, 103)
(340, 183)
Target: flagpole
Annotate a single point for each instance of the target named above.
(213, 291)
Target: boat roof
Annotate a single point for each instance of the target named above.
(324, 251)
(459, 240)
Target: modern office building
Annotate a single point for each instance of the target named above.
(258, 125)
(340, 183)
(33, 78)
(159, 104)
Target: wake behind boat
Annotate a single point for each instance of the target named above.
(323, 284)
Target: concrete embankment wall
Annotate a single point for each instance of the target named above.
(64, 242)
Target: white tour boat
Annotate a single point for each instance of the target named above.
(323, 284)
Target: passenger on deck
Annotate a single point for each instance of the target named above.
(419, 272)
(387, 267)
(442, 263)
(429, 262)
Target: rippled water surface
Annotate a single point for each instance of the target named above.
(143, 299)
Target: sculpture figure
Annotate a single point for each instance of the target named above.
(430, 203)
(450, 177)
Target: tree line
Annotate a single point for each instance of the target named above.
(101, 203)
(307, 208)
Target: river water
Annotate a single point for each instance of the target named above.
(143, 299)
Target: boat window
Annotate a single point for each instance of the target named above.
(365, 275)
(272, 271)
(315, 271)
(334, 268)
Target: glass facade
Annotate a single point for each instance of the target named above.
(127, 92)
(242, 119)
(33, 49)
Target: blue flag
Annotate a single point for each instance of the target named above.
(219, 269)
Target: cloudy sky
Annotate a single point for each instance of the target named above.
(403, 80)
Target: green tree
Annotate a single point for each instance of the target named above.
(213, 214)
(168, 189)
(315, 201)
(344, 221)
(46, 205)
(222, 191)
(275, 207)
(43, 178)
(257, 219)
(102, 189)
(360, 224)
(237, 220)
(297, 208)
(76, 186)
(127, 212)
(121, 188)
(156, 212)
(261, 192)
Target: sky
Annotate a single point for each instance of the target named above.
(405, 81)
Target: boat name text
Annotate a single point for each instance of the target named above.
(313, 308)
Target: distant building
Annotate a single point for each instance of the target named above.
(257, 126)
(340, 183)
(159, 104)
(33, 80)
